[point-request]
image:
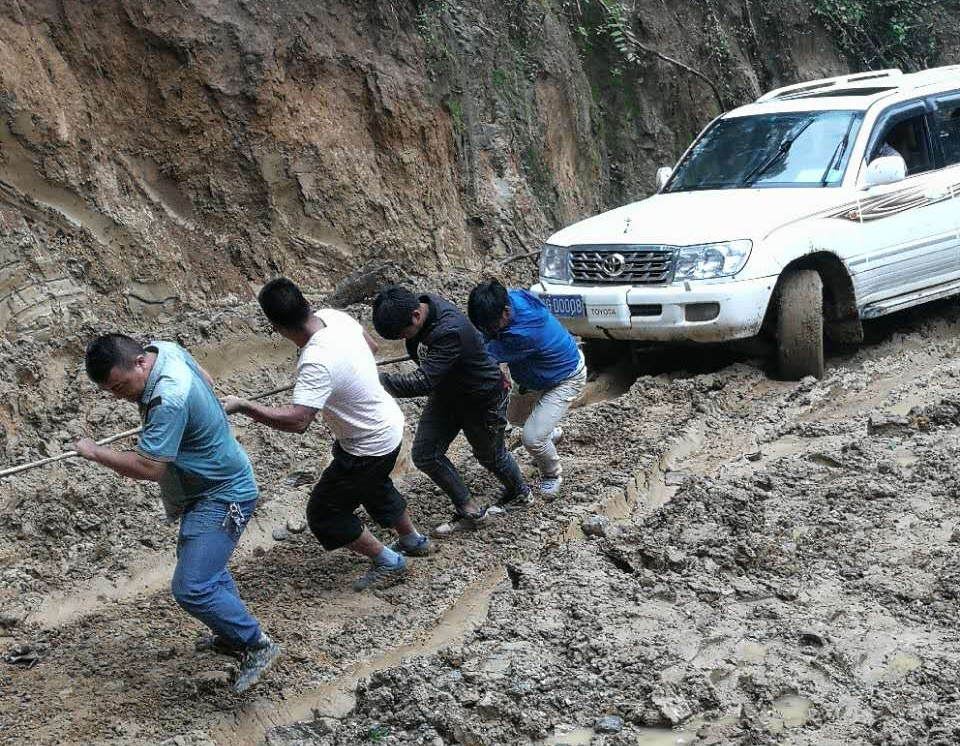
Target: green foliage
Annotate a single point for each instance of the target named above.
(537, 170)
(377, 733)
(455, 107)
(499, 77)
(604, 24)
(882, 33)
(430, 27)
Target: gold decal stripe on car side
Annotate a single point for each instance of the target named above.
(886, 205)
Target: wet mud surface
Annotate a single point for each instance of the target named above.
(733, 560)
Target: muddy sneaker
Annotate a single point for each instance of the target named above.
(515, 502)
(549, 487)
(381, 576)
(557, 435)
(257, 660)
(462, 522)
(423, 548)
(219, 645)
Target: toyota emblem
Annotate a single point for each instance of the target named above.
(613, 264)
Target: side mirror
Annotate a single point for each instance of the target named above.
(663, 176)
(887, 169)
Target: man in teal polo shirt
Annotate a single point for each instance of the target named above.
(205, 477)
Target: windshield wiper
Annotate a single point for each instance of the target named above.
(703, 186)
(834, 163)
(781, 151)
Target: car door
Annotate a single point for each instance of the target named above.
(906, 229)
(946, 131)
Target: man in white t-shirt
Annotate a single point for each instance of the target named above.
(337, 376)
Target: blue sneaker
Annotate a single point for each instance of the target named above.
(423, 548)
(381, 576)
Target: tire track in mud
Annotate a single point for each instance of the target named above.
(751, 428)
(70, 638)
(646, 490)
(249, 725)
(691, 450)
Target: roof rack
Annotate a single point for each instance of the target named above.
(818, 85)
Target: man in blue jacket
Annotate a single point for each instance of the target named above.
(542, 357)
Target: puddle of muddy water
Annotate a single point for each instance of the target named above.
(792, 711)
(575, 737)
(750, 652)
(907, 402)
(685, 734)
(664, 737)
(901, 665)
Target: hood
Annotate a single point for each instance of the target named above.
(687, 218)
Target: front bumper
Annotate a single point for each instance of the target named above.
(659, 314)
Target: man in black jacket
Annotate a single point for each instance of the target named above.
(466, 391)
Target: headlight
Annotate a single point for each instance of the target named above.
(554, 263)
(709, 260)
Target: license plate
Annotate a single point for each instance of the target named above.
(569, 306)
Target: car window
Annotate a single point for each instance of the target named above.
(779, 149)
(908, 138)
(947, 128)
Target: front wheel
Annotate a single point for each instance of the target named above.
(800, 325)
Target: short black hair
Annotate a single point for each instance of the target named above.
(111, 351)
(393, 311)
(283, 303)
(486, 303)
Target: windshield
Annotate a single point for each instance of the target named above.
(785, 149)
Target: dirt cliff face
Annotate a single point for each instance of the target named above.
(155, 154)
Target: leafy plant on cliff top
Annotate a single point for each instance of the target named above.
(881, 33)
(611, 23)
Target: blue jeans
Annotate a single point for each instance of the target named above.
(202, 585)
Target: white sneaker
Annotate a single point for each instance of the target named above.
(557, 435)
(549, 487)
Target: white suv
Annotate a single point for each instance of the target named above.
(814, 207)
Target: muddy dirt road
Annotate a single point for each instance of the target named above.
(734, 560)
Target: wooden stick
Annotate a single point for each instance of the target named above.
(67, 454)
(517, 257)
(392, 360)
(137, 430)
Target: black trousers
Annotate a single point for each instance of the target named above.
(441, 422)
(346, 484)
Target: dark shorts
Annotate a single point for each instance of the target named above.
(346, 484)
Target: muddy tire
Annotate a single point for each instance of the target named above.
(800, 326)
